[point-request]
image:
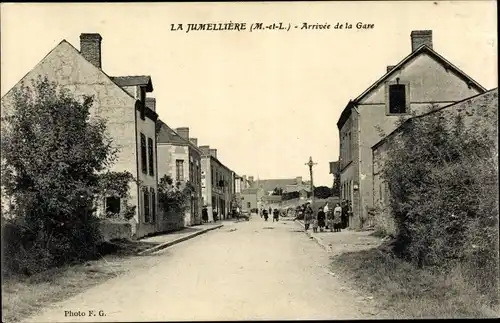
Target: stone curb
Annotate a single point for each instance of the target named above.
(319, 241)
(176, 241)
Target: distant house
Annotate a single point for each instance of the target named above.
(251, 198)
(287, 185)
(217, 184)
(130, 122)
(482, 107)
(180, 158)
(421, 79)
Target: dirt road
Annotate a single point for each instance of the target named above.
(244, 271)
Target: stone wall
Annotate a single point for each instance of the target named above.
(112, 229)
(478, 112)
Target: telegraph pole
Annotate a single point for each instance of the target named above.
(311, 164)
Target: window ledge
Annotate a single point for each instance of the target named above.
(398, 114)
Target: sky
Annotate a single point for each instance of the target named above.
(266, 100)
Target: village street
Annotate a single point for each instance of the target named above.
(245, 270)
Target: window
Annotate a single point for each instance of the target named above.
(397, 98)
(213, 177)
(150, 157)
(144, 162)
(153, 204)
(179, 170)
(349, 142)
(249, 205)
(113, 205)
(146, 206)
(191, 170)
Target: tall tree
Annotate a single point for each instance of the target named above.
(52, 155)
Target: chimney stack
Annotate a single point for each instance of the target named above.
(205, 150)
(183, 132)
(298, 179)
(194, 141)
(389, 68)
(90, 48)
(213, 152)
(250, 179)
(419, 38)
(151, 103)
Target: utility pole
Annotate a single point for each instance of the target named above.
(311, 164)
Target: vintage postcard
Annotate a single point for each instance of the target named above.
(232, 161)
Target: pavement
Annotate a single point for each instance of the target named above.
(249, 270)
(344, 241)
(172, 238)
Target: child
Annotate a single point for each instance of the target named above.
(315, 225)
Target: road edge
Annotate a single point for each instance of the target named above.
(176, 241)
(319, 241)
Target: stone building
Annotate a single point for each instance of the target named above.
(482, 108)
(251, 199)
(121, 101)
(216, 184)
(180, 158)
(287, 185)
(421, 79)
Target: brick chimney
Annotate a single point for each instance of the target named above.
(250, 179)
(419, 38)
(298, 179)
(90, 48)
(151, 103)
(213, 152)
(205, 150)
(194, 141)
(389, 68)
(183, 132)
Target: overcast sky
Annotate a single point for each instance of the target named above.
(265, 100)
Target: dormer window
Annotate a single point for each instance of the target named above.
(398, 98)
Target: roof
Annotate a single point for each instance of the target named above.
(139, 80)
(270, 184)
(401, 127)
(166, 135)
(421, 50)
(249, 191)
(334, 167)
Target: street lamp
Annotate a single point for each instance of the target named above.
(311, 164)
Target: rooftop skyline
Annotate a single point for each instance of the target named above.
(266, 101)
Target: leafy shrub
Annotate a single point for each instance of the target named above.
(52, 154)
(441, 178)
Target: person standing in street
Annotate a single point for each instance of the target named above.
(344, 213)
(337, 218)
(204, 215)
(308, 216)
(321, 219)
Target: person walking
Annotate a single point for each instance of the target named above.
(344, 214)
(337, 218)
(321, 219)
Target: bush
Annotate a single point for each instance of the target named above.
(441, 178)
(52, 154)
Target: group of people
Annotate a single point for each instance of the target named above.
(326, 218)
(265, 214)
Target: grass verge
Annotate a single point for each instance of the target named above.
(408, 292)
(23, 296)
